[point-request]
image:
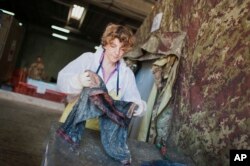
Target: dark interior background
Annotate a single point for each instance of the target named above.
(55, 12)
(37, 17)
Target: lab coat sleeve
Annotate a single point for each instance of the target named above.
(132, 94)
(67, 80)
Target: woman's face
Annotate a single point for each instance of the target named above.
(114, 51)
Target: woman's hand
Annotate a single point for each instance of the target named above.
(84, 79)
(141, 110)
(137, 112)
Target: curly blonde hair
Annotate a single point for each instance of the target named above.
(122, 33)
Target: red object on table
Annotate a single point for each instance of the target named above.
(31, 90)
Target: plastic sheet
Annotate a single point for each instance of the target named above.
(58, 152)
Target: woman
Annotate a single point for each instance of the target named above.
(107, 62)
(120, 82)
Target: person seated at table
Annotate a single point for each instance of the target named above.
(36, 69)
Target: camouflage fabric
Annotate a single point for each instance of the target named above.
(166, 49)
(165, 78)
(211, 111)
(158, 45)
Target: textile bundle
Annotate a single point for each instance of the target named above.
(114, 118)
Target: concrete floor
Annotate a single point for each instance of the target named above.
(91, 152)
(24, 128)
(26, 125)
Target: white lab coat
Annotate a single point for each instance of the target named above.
(68, 82)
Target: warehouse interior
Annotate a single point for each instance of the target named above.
(191, 64)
